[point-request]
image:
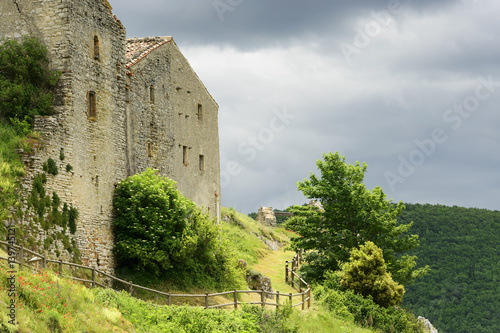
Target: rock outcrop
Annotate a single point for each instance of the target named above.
(427, 324)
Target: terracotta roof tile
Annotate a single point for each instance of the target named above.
(138, 48)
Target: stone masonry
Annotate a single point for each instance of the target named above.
(122, 106)
(266, 216)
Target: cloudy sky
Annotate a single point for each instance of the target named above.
(412, 88)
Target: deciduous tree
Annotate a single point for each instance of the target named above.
(351, 216)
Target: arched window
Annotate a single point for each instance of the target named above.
(97, 54)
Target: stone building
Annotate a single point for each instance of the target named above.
(122, 106)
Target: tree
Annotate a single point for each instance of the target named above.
(366, 274)
(351, 216)
(26, 82)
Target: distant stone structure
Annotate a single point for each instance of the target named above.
(266, 216)
(317, 204)
(122, 106)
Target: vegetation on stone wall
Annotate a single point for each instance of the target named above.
(53, 216)
(26, 81)
(159, 231)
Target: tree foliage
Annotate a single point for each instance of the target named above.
(461, 246)
(351, 216)
(159, 231)
(26, 82)
(366, 274)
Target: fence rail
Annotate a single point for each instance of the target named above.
(304, 295)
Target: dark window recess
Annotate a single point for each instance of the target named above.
(150, 149)
(152, 94)
(185, 157)
(202, 163)
(97, 51)
(200, 112)
(92, 105)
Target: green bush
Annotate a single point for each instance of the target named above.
(26, 82)
(364, 310)
(158, 230)
(365, 273)
(51, 167)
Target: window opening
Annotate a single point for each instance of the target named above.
(152, 94)
(200, 112)
(202, 163)
(92, 105)
(97, 53)
(185, 156)
(150, 149)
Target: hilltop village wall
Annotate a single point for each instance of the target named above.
(122, 106)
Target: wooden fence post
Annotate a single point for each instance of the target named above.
(206, 300)
(308, 296)
(169, 299)
(286, 271)
(131, 288)
(303, 297)
(291, 299)
(60, 267)
(293, 270)
(262, 298)
(21, 256)
(93, 277)
(235, 299)
(277, 299)
(44, 262)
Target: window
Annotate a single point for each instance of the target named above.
(202, 163)
(152, 94)
(150, 149)
(97, 53)
(92, 105)
(185, 160)
(200, 112)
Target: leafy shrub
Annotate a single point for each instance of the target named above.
(51, 167)
(364, 310)
(158, 230)
(26, 82)
(366, 274)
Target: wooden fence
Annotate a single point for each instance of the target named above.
(304, 295)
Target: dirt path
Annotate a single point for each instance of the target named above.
(272, 265)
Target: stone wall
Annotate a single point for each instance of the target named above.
(93, 146)
(173, 124)
(106, 124)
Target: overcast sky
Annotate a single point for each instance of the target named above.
(412, 88)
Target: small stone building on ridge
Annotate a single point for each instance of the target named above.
(123, 105)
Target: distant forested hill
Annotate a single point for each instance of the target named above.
(462, 247)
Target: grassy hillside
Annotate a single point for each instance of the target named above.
(461, 293)
(48, 303)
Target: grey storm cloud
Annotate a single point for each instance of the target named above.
(398, 85)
